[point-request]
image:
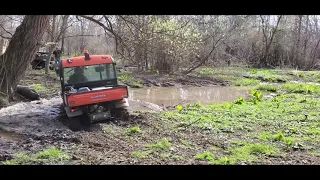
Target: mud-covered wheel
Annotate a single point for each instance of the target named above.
(124, 114)
(120, 113)
(75, 123)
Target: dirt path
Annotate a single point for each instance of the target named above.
(40, 124)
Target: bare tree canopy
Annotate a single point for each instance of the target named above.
(185, 41)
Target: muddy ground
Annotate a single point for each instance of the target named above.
(38, 125)
(166, 80)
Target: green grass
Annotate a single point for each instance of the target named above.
(223, 161)
(240, 152)
(156, 148)
(316, 154)
(248, 152)
(267, 75)
(206, 71)
(282, 122)
(245, 82)
(49, 156)
(164, 144)
(142, 154)
(264, 136)
(302, 88)
(125, 76)
(304, 76)
(279, 137)
(289, 141)
(137, 84)
(205, 156)
(39, 88)
(133, 130)
(267, 88)
(46, 85)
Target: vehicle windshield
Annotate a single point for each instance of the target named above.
(83, 74)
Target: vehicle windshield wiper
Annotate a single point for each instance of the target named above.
(69, 71)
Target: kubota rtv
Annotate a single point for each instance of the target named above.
(90, 90)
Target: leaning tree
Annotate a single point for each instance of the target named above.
(21, 50)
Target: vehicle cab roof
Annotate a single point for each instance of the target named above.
(80, 61)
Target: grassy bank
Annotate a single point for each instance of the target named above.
(238, 74)
(46, 85)
(255, 129)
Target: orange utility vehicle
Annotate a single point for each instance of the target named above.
(89, 88)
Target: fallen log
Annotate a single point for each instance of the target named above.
(27, 93)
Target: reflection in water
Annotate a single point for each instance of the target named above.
(172, 95)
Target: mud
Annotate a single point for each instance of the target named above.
(46, 116)
(33, 126)
(152, 80)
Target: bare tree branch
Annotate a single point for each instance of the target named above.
(5, 37)
(5, 30)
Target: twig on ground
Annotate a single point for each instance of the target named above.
(187, 125)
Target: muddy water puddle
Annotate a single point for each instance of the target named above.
(10, 135)
(168, 96)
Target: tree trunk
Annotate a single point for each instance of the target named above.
(64, 26)
(306, 41)
(51, 47)
(68, 47)
(317, 45)
(146, 57)
(82, 43)
(63, 32)
(21, 50)
(55, 39)
(314, 54)
(269, 41)
(137, 48)
(297, 53)
(62, 42)
(1, 45)
(50, 51)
